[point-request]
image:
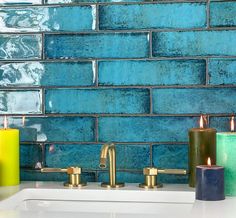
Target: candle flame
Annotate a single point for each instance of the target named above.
(5, 123)
(201, 121)
(23, 121)
(232, 124)
(209, 161)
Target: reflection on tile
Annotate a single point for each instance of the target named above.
(187, 101)
(20, 102)
(97, 101)
(30, 155)
(59, 129)
(10, 2)
(128, 177)
(194, 43)
(222, 71)
(145, 129)
(170, 72)
(149, 16)
(222, 14)
(109, 45)
(46, 74)
(33, 19)
(32, 175)
(20, 47)
(173, 179)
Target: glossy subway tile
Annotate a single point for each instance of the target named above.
(194, 100)
(222, 71)
(20, 2)
(20, 47)
(222, 14)
(58, 129)
(145, 129)
(194, 43)
(36, 19)
(47, 74)
(20, 102)
(124, 101)
(164, 72)
(152, 16)
(109, 45)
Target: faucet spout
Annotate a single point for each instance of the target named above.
(109, 150)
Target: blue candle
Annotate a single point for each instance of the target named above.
(210, 182)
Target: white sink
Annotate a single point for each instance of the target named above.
(53, 200)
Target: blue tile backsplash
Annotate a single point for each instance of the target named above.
(134, 72)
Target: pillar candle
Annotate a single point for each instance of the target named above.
(210, 183)
(202, 144)
(226, 156)
(9, 157)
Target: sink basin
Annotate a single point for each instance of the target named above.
(53, 200)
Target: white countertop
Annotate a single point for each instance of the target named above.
(131, 193)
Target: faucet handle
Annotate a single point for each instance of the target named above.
(73, 172)
(150, 176)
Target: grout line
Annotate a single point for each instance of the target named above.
(43, 101)
(96, 129)
(113, 115)
(119, 59)
(103, 3)
(151, 101)
(103, 87)
(43, 150)
(97, 18)
(207, 73)
(150, 43)
(208, 14)
(151, 154)
(43, 47)
(121, 31)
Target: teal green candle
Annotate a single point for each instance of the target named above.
(226, 157)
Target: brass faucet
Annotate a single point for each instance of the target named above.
(111, 150)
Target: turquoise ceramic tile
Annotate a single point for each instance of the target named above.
(126, 177)
(59, 129)
(30, 155)
(109, 45)
(167, 72)
(97, 101)
(194, 43)
(35, 19)
(32, 175)
(152, 16)
(222, 71)
(20, 2)
(47, 74)
(188, 101)
(20, 102)
(173, 179)
(86, 156)
(136, 157)
(145, 129)
(221, 124)
(170, 156)
(20, 47)
(222, 14)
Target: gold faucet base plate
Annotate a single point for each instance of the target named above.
(74, 186)
(107, 185)
(159, 185)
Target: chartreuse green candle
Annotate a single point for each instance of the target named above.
(226, 157)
